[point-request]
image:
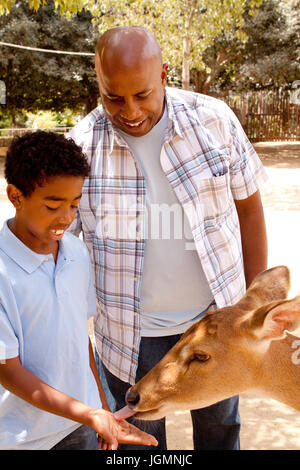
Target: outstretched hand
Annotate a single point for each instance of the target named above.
(113, 431)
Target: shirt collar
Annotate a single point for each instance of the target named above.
(174, 125)
(24, 256)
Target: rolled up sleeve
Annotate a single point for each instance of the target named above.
(247, 171)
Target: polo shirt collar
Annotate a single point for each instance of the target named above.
(21, 254)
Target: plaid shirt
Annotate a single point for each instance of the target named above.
(209, 162)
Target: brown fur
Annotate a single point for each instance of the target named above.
(234, 349)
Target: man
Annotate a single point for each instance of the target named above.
(172, 159)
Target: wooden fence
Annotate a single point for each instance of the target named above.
(265, 116)
(268, 116)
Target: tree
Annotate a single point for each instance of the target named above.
(229, 43)
(272, 52)
(185, 28)
(66, 7)
(37, 80)
(265, 55)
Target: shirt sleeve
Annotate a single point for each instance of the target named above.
(91, 294)
(76, 226)
(246, 169)
(9, 344)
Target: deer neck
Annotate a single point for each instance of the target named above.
(280, 378)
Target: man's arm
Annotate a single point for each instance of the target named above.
(253, 234)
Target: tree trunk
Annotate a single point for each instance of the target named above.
(204, 80)
(186, 63)
(186, 46)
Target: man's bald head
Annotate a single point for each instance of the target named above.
(129, 46)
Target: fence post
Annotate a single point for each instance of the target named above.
(2, 92)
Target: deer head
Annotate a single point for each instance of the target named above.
(223, 354)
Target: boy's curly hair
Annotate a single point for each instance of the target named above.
(37, 156)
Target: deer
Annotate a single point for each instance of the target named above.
(246, 347)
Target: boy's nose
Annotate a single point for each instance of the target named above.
(66, 216)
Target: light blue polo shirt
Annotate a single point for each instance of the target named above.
(44, 308)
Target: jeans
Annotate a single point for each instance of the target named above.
(216, 427)
(109, 397)
(83, 438)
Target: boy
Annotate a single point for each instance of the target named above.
(49, 387)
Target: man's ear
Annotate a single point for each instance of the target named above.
(164, 75)
(14, 195)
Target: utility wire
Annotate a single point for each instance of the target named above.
(45, 50)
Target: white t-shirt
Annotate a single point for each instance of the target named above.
(174, 290)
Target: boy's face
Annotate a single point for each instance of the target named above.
(43, 217)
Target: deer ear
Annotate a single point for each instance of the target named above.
(268, 286)
(277, 319)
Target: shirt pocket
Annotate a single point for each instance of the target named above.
(212, 202)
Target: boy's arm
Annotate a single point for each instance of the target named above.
(21, 382)
(94, 369)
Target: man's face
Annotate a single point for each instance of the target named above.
(45, 215)
(133, 97)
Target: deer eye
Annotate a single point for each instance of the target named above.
(201, 357)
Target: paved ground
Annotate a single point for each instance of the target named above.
(266, 424)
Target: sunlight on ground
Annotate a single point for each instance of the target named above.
(266, 424)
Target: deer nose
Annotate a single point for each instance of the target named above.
(132, 398)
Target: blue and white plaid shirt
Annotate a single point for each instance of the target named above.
(209, 162)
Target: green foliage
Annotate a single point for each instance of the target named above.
(224, 44)
(66, 7)
(173, 20)
(42, 120)
(37, 80)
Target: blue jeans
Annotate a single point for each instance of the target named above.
(216, 427)
(83, 438)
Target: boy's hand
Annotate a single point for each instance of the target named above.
(113, 431)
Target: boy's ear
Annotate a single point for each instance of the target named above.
(14, 195)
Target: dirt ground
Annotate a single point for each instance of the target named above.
(266, 424)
